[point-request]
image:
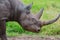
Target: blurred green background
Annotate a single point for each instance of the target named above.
(51, 10)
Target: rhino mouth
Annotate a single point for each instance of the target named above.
(32, 30)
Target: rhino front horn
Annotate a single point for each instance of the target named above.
(50, 21)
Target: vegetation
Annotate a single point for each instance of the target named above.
(51, 10)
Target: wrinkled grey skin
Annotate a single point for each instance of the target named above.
(14, 10)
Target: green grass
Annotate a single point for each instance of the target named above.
(51, 9)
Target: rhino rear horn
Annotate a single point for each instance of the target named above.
(39, 14)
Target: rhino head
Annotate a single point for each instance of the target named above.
(31, 22)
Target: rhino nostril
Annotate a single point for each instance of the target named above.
(38, 30)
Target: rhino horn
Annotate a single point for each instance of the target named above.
(39, 14)
(50, 21)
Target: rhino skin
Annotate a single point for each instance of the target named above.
(15, 10)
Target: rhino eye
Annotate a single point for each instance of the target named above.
(28, 12)
(34, 20)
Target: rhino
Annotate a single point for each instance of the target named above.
(15, 10)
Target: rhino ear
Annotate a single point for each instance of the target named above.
(28, 7)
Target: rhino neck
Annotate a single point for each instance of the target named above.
(15, 9)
